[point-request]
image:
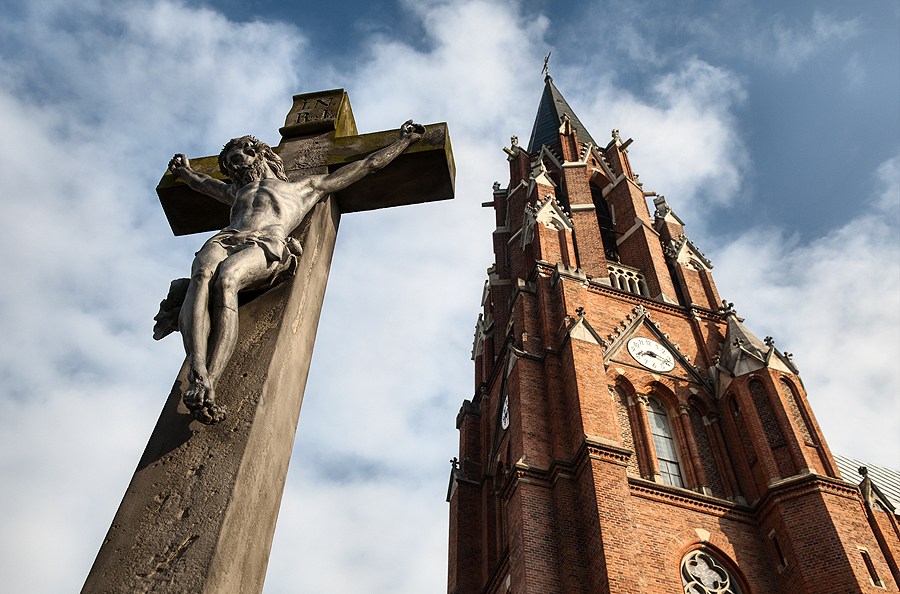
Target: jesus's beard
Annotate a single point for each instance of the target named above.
(251, 173)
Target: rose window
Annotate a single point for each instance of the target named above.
(702, 574)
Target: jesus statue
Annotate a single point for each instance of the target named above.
(253, 251)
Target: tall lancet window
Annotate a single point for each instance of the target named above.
(664, 442)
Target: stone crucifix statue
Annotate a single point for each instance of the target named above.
(200, 511)
(253, 252)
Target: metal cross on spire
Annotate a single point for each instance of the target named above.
(546, 68)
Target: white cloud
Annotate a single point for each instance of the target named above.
(478, 70)
(641, 32)
(887, 197)
(742, 28)
(835, 302)
(687, 144)
(378, 536)
(786, 48)
(855, 73)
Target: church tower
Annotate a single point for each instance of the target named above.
(627, 433)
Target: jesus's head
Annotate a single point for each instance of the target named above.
(244, 160)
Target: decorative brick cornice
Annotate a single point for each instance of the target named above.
(592, 448)
(511, 191)
(541, 268)
(468, 408)
(691, 500)
(527, 474)
(802, 485)
(650, 303)
(457, 478)
(570, 272)
(605, 452)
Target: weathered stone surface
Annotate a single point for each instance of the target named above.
(200, 512)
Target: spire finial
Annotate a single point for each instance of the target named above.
(546, 68)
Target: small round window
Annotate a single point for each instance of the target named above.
(702, 574)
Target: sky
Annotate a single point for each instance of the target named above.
(772, 128)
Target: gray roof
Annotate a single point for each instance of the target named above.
(547, 121)
(886, 479)
(741, 343)
(743, 352)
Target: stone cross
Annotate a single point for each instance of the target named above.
(199, 514)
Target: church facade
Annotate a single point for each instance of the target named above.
(627, 433)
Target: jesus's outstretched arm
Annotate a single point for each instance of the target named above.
(343, 177)
(180, 166)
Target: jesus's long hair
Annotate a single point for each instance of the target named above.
(254, 172)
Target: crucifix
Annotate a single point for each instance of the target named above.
(199, 514)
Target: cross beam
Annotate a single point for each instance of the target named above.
(325, 141)
(200, 511)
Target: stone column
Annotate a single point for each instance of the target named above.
(720, 452)
(803, 461)
(696, 462)
(764, 454)
(647, 437)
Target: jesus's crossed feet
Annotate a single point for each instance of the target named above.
(200, 400)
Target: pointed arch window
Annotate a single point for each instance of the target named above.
(664, 443)
(607, 220)
(701, 573)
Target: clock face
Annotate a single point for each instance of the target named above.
(504, 414)
(651, 354)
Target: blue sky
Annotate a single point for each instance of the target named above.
(773, 129)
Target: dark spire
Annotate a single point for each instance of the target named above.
(547, 122)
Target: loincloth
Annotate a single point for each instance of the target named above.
(276, 249)
(282, 256)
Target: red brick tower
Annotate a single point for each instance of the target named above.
(627, 433)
